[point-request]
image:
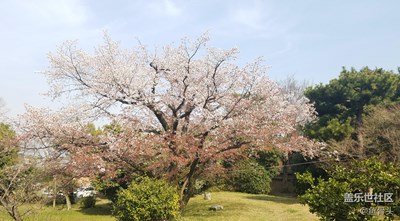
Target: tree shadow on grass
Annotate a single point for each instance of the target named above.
(101, 209)
(198, 209)
(201, 211)
(276, 199)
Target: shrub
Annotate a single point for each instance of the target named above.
(326, 198)
(88, 202)
(146, 199)
(250, 177)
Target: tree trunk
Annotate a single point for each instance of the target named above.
(359, 125)
(187, 189)
(16, 216)
(54, 192)
(12, 211)
(67, 200)
(187, 194)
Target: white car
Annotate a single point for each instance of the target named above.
(84, 192)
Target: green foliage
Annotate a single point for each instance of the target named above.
(302, 165)
(113, 128)
(147, 199)
(326, 197)
(200, 185)
(340, 102)
(250, 177)
(270, 161)
(8, 153)
(88, 202)
(93, 130)
(109, 186)
(20, 180)
(335, 128)
(6, 132)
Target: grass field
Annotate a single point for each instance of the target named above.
(247, 207)
(102, 212)
(237, 207)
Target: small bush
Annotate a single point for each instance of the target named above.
(250, 177)
(146, 199)
(326, 198)
(88, 202)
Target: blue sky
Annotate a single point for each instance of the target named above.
(309, 39)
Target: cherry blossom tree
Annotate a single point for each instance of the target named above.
(179, 109)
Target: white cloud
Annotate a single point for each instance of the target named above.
(251, 17)
(261, 20)
(171, 9)
(66, 12)
(165, 7)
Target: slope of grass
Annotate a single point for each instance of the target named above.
(246, 207)
(237, 207)
(101, 212)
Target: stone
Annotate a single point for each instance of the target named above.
(207, 195)
(216, 207)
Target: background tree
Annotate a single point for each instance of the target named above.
(293, 91)
(382, 133)
(54, 137)
(19, 178)
(342, 104)
(180, 110)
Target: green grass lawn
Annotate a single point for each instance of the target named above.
(102, 212)
(237, 206)
(243, 207)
